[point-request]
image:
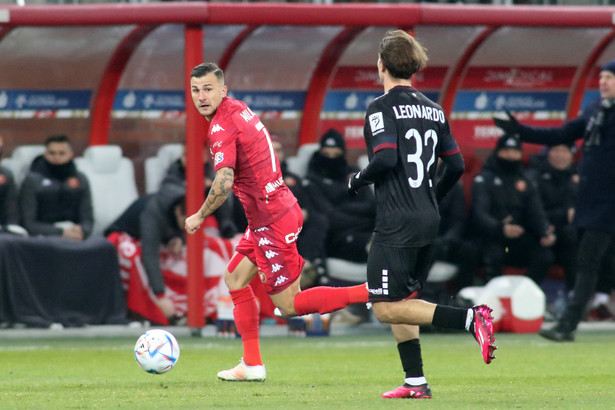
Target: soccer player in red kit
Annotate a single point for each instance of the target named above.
(245, 162)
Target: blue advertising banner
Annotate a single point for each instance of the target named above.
(477, 101)
(337, 101)
(146, 100)
(271, 100)
(11, 100)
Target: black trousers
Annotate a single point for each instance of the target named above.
(593, 247)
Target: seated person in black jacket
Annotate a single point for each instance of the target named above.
(55, 197)
(556, 180)
(311, 242)
(507, 215)
(351, 220)
(9, 214)
(156, 220)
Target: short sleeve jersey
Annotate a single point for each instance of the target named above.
(239, 140)
(406, 209)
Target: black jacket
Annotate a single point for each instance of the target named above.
(595, 205)
(329, 192)
(47, 197)
(151, 219)
(557, 188)
(497, 194)
(9, 213)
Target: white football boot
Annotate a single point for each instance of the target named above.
(244, 373)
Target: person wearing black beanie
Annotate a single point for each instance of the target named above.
(594, 209)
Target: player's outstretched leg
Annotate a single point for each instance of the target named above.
(481, 327)
(325, 299)
(244, 373)
(409, 392)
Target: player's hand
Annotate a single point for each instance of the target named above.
(354, 183)
(509, 125)
(193, 223)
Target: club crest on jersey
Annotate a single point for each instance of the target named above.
(376, 123)
(218, 158)
(521, 185)
(216, 128)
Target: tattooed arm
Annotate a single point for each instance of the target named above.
(219, 191)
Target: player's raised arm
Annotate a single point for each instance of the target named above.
(219, 191)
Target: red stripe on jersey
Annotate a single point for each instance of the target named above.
(451, 152)
(385, 145)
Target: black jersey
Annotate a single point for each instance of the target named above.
(406, 209)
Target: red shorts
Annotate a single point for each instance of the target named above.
(273, 249)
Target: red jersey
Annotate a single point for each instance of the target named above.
(239, 140)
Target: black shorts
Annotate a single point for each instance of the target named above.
(395, 273)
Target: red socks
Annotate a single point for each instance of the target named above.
(324, 299)
(246, 314)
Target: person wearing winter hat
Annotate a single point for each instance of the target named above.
(507, 216)
(594, 212)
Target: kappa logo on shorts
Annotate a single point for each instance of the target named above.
(264, 241)
(276, 267)
(270, 254)
(280, 280)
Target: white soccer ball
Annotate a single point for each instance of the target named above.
(157, 351)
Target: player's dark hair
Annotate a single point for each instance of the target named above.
(57, 138)
(203, 69)
(401, 54)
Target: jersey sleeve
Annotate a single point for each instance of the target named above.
(224, 148)
(380, 129)
(449, 145)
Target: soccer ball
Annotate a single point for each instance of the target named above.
(157, 351)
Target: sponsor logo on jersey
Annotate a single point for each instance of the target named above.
(264, 228)
(280, 280)
(272, 186)
(292, 237)
(216, 128)
(264, 241)
(218, 158)
(270, 254)
(376, 123)
(276, 267)
(418, 111)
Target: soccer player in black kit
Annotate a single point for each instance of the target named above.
(405, 134)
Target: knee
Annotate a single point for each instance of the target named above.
(287, 310)
(382, 312)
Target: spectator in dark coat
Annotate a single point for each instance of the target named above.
(9, 213)
(594, 208)
(156, 220)
(556, 180)
(507, 214)
(55, 198)
(351, 220)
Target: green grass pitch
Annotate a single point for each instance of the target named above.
(337, 372)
